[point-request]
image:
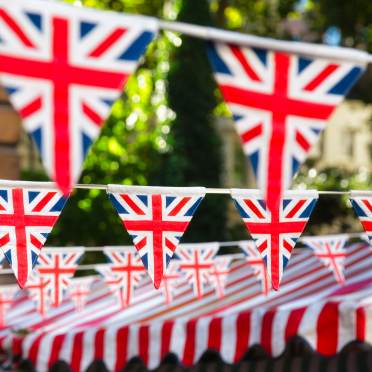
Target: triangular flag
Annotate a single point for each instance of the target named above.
(281, 101)
(362, 204)
(171, 278)
(331, 251)
(79, 290)
(275, 232)
(63, 68)
(7, 293)
(123, 273)
(57, 266)
(255, 261)
(196, 262)
(156, 218)
(37, 287)
(219, 273)
(28, 212)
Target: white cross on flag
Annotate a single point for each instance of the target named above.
(57, 266)
(255, 261)
(28, 212)
(196, 263)
(331, 251)
(218, 274)
(63, 68)
(156, 218)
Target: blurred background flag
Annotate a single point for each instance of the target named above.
(362, 204)
(63, 68)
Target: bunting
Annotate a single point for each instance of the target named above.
(126, 270)
(63, 68)
(331, 252)
(280, 103)
(219, 273)
(37, 287)
(56, 267)
(362, 204)
(7, 293)
(79, 290)
(155, 218)
(28, 212)
(170, 281)
(275, 232)
(196, 263)
(256, 263)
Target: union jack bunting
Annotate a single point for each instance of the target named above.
(57, 266)
(170, 280)
(362, 204)
(255, 261)
(331, 252)
(280, 103)
(28, 212)
(275, 232)
(156, 218)
(196, 263)
(218, 274)
(37, 287)
(126, 271)
(79, 291)
(7, 293)
(63, 68)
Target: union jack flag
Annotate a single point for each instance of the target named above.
(126, 270)
(28, 212)
(218, 274)
(280, 103)
(362, 204)
(275, 232)
(79, 291)
(255, 261)
(63, 67)
(57, 266)
(170, 280)
(7, 294)
(331, 251)
(37, 287)
(156, 219)
(196, 263)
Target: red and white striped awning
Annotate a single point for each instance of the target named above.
(310, 304)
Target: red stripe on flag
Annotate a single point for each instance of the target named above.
(143, 343)
(107, 42)
(98, 344)
(360, 324)
(44, 201)
(31, 108)
(327, 329)
(179, 206)
(253, 208)
(313, 84)
(189, 349)
(36, 242)
(368, 204)
(92, 115)
(166, 335)
(302, 141)
(251, 133)
(132, 205)
(56, 348)
(121, 348)
(77, 352)
(266, 330)
(237, 51)
(16, 29)
(294, 210)
(4, 240)
(293, 322)
(215, 334)
(243, 330)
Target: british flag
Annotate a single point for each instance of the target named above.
(37, 287)
(196, 263)
(156, 218)
(255, 261)
(331, 251)
(7, 293)
(170, 280)
(275, 232)
(57, 266)
(126, 270)
(362, 204)
(280, 103)
(63, 67)
(28, 212)
(79, 290)
(219, 273)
